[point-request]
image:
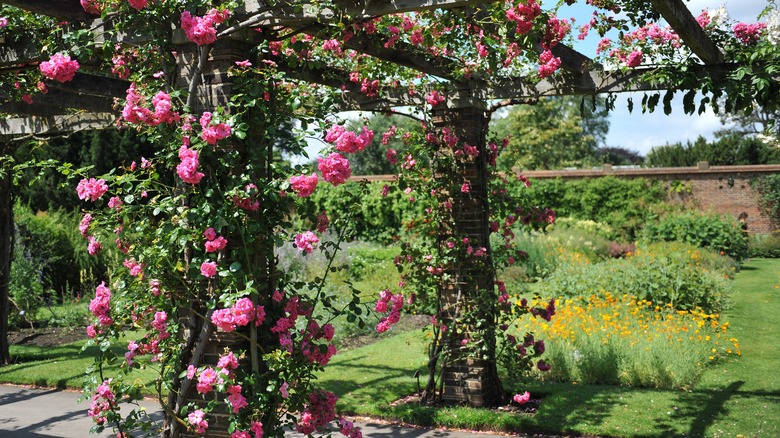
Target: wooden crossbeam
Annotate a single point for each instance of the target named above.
(53, 125)
(289, 15)
(402, 53)
(680, 18)
(68, 10)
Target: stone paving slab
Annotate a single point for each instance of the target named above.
(47, 413)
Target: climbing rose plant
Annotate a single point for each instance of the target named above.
(194, 227)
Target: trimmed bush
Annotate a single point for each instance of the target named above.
(718, 233)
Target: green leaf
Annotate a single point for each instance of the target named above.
(235, 267)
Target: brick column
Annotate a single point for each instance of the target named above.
(469, 380)
(214, 90)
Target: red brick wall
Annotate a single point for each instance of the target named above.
(724, 190)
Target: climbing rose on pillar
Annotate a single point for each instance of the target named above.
(59, 68)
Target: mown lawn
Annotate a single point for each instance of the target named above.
(739, 397)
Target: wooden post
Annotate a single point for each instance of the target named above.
(6, 250)
(465, 379)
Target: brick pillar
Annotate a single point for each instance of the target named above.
(214, 90)
(469, 380)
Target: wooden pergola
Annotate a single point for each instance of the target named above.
(87, 102)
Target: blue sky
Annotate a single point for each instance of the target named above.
(640, 132)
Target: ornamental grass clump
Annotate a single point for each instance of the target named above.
(622, 340)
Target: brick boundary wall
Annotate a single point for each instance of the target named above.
(723, 190)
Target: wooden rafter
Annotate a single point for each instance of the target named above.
(53, 125)
(292, 15)
(402, 53)
(680, 18)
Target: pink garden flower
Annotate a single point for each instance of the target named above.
(138, 4)
(59, 67)
(522, 398)
(219, 243)
(304, 185)
(92, 6)
(201, 30)
(188, 167)
(306, 242)
(334, 168)
(198, 420)
(211, 133)
(208, 269)
(91, 189)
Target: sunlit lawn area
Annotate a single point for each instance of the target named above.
(739, 396)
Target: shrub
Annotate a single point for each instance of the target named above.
(25, 289)
(622, 204)
(719, 233)
(764, 245)
(680, 275)
(46, 241)
(621, 340)
(768, 188)
(584, 226)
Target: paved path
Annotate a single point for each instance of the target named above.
(39, 413)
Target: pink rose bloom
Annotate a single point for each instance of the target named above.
(94, 246)
(208, 269)
(240, 434)
(236, 399)
(91, 6)
(210, 234)
(522, 398)
(84, 225)
(216, 245)
(206, 380)
(188, 167)
(59, 67)
(91, 189)
(198, 420)
(334, 168)
(257, 429)
(304, 185)
(138, 4)
(306, 242)
(634, 59)
(201, 30)
(115, 203)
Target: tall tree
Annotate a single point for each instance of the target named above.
(553, 133)
(760, 122)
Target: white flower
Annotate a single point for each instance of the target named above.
(773, 27)
(719, 17)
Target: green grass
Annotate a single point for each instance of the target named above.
(738, 397)
(61, 367)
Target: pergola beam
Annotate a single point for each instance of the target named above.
(52, 125)
(68, 10)
(680, 18)
(289, 15)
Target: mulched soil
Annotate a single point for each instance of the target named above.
(46, 337)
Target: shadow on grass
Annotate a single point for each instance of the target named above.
(564, 408)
